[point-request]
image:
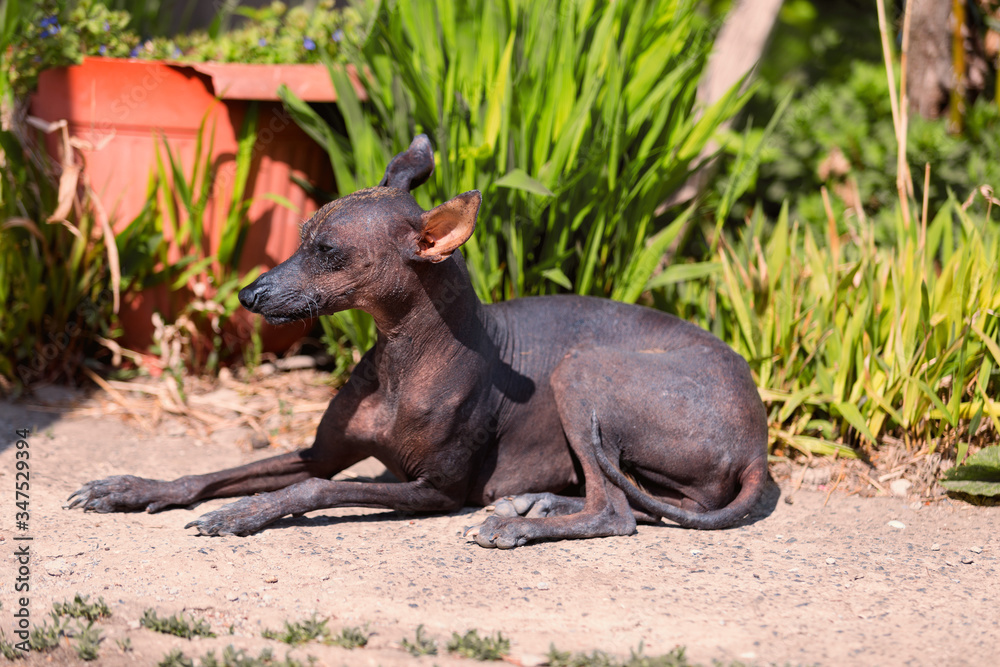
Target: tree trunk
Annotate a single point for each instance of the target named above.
(929, 76)
(738, 46)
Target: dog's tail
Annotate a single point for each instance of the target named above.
(753, 481)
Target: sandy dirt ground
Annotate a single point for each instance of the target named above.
(826, 578)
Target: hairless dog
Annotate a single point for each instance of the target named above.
(505, 404)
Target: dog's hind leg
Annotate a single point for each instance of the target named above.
(605, 510)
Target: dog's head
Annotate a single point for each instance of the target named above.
(364, 249)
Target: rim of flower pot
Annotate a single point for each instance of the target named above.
(258, 81)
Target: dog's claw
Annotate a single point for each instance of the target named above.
(474, 534)
(497, 533)
(243, 517)
(121, 493)
(212, 525)
(206, 526)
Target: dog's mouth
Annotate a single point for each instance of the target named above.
(284, 306)
(278, 320)
(288, 317)
(295, 313)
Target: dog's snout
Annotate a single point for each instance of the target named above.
(251, 295)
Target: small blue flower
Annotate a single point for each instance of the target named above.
(338, 35)
(308, 44)
(261, 42)
(45, 33)
(134, 52)
(47, 21)
(177, 52)
(107, 27)
(103, 50)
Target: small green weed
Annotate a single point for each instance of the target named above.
(175, 658)
(675, 658)
(176, 625)
(313, 628)
(88, 642)
(124, 644)
(233, 657)
(8, 650)
(300, 632)
(422, 645)
(44, 637)
(350, 638)
(566, 659)
(471, 645)
(81, 608)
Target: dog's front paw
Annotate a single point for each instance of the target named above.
(498, 533)
(243, 517)
(122, 493)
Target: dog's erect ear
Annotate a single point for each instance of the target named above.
(448, 226)
(412, 167)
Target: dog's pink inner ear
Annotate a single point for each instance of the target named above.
(448, 226)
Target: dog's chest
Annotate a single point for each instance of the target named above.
(413, 426)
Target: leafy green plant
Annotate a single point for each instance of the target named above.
(574, 120)
(839, 134)
(175, 658)
(45, 637)
(8, 650)
(80, 607)
(273, 34)
(60, 279)
(300, 632)
(158, 17)
(861, 319)
(421, 645)
(177, 625)
(88, 642)
(471, 645)
(350, 638)
(233, 657)
(979, 475)
(675, 658)
(58, 266)
(310, 629)
(53, 33)
(204, 282)
(850, 340)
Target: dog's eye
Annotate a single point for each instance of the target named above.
(333, 257)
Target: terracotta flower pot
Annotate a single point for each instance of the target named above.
(120, 109)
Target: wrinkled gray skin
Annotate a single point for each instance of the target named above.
(505, 404)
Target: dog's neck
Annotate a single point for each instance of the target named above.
(442, 319)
